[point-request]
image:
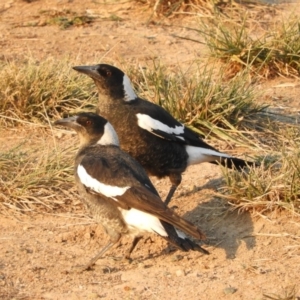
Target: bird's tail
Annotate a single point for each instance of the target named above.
(180, 240)
(234, 163)
(150, 201)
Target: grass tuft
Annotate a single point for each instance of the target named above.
(290, 293)
(37, 91)
(37, 180)
(171, 8)
(276, 52)
(273, 185)
(66, 18)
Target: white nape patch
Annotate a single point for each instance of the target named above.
(142, 221)
(109, 136)
(149, 124)
(128, 90)
(104, 189)
(199, 155)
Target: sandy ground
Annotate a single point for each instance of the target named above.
(250, 256)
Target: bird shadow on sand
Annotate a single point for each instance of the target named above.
(225, 227)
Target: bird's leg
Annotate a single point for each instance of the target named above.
(175, 180)
(170, 194)
(93, 260)
(133, 245)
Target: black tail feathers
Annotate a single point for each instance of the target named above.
(180, 240)
(187, 245)
(235, 163)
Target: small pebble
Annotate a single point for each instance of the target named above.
(177, 257)
(229, 290)
(93, 295)
(179, 273)
(194, 274)
(167, 274)
(141, 265)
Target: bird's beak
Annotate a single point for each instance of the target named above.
(67, 122)
(88, 70)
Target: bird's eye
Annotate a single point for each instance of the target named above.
(88, 123)
(108, 73)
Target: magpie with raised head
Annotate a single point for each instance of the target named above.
(161, 144)
(118, 192)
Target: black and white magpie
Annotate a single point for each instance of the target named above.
(162, 145)
(117, 191)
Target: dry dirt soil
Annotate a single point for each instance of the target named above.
(251, 256)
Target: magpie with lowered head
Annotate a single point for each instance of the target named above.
(161, 144)
(117, 191)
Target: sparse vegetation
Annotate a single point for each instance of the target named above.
(36, 180)
(268, 187)
(276, 52)
(36, 91)
(167, 8)
(66, 18)
(290, 293)
(275, 184)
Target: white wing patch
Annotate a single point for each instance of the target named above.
(142, 221)
(104, 189)
(150, 124)
(109, 136)
(199, 155)
(128, 90)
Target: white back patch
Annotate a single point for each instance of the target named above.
(97, 186)
(143, 221)
(128, 90)
(199, 155)
(150, 124)
(109, 136)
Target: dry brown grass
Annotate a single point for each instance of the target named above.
(274, 185)
(274, 53)
(173, 7)
(38, 176)
(36, 91)
(289, 293)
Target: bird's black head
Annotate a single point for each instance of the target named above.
(91, 128)
(110, 81)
